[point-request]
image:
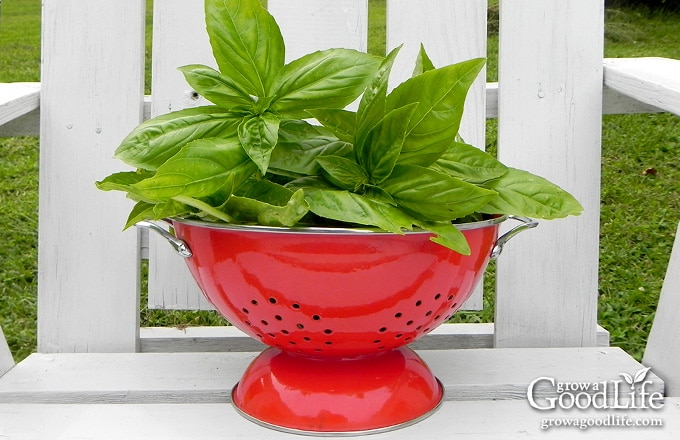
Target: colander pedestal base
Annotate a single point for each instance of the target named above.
(337, 396)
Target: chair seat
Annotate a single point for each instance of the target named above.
(187, 395)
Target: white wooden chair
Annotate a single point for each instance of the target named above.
(94, 375)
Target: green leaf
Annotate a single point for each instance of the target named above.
(124, 181)
(141, 211)
(341, 122)
(200, 169)
(343, 173)
(433, 196)
(247, 44)
(469, 164)
(382, 147)
(522, 193)
(298, 147)
(331, 78)
(171, 208)
(353, 208)
(268, 204)
(156, 140)
(372, 106)
(448, 236)
(423, 62)
(215, 87)
(441, 95)
(258, 135)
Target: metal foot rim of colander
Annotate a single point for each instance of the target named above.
(348, 433)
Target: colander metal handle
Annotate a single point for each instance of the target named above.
(179, 245)
(527, 223)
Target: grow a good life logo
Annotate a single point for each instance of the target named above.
(628, 392)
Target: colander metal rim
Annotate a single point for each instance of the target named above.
(326, 230)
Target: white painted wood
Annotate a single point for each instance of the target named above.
(663, 346)
(498, 420)
(91, 93)
(613, 103)
(179, 38)
(311, 25)
(550, 94)
(451, 32)
(6, 359)
(482, 374)
(17, 99)
(219, 338)
(654, 81)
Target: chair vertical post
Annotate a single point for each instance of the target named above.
(663, 347)
(92, 96)
(550, 115)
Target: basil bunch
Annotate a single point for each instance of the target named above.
(252, 157)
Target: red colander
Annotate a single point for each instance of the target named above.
(337, 306)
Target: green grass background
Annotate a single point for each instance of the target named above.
(640, 192)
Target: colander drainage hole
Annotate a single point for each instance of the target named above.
(295, 305)
(377, 341)
(419, 303)
(300, 326)
(437, 296)
(253, 302)
(264, 322)
(328, 331)
(285, 332)
(272, 300)
(397, 315)
(316, 317)
(410, 322)
(246, 311)
(307, 338)
(428, 313)
(453, 306)
(278, 317)
(382, 329)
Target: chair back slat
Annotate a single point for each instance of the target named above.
(549, 118)
(92, 96)
(450, 32)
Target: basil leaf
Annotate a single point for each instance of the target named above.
(171, 208)
(522, 193)
(141, 211)
(372, 105)
(331, 78)
(200, 169)
(156, 140)
(381, 149)
(469, 164)
(298, 147)
(124, 181)
(268, 204)
(343, 173)
(448, 235)
(423, 62)
(247, 44)
(433, 196)
(349, 207)
(341, 122)
(258, 135)
(215, 87)
(435, 123)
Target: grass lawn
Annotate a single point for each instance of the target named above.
(640, 193)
